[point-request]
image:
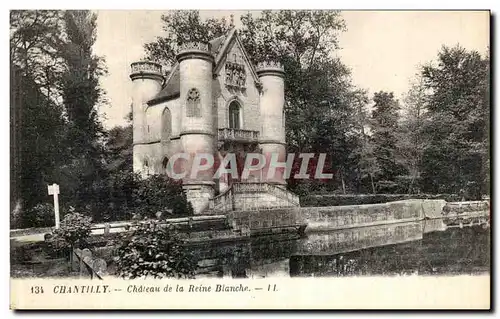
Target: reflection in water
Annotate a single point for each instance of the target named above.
(417, 247)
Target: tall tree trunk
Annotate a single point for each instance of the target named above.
(373, 184)
(343, 182)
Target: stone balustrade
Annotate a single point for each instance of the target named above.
(232, 134)
(194, 46)
(239, 194)
(269, 65)
(277, 191)
(145, 67)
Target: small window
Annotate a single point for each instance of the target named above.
(165, 164)
(193, 107)
(234, 115)
(146, 167)
(166, 123)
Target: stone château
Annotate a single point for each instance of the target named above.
(212, 100)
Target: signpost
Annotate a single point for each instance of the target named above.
(54, 190)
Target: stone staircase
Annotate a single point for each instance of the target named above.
(252, 196)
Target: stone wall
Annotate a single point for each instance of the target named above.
(334, 242)
(252, 197)
(338, 217)
(272, 218)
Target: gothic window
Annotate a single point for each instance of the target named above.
(146, 167)
(165, 164)
(166, 125)
(193, 106)
(234, 115)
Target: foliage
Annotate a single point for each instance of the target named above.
(119, 149)
(160, 193)
(384, 127)
(410, 136)
(75, 228)
(80, 87)
(179, 27)
(55, 131)
(457, 156)
(154, 250)
(41, 215)
(329, 199)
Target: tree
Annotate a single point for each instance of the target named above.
(411, 140)
(81, 90)
(82, 176)
(154, 250)
(180, 27)
(363, 154)
(56, 135)
(119, 147)
(35, 39)
(457, 157)
(36, 115)
(384, 127)
(74, 230)
(316, 84)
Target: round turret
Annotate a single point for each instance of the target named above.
(146, 70)
(270, 68)
(197, 130)
(147, 81)
(195, 50)
(272, 99)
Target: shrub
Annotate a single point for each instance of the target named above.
(154, 250)
(158, 193)
(41, 215)
(74, 230)
(362, 199)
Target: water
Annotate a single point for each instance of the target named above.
(423, 248)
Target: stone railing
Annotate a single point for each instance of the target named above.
(460, 213)
(269, 65)
(232, 134)
(222, 202)
(146, 67)
(194, 46)
(464, 207)
(277, 191)
(225, 202)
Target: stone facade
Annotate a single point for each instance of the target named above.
(213, 100)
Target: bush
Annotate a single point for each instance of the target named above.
(42, 215)
(154, 250)
(74, 230)
(125, 194)
(158, 193)
(362, 199)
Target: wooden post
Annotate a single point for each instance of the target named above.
(54, 190)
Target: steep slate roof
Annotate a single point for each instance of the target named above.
(218, 46)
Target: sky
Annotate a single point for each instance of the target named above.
(383, 49)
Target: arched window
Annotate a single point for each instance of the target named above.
(164, 165)
(146, 167)
(234, 115)
(193, 107)
(166, 125)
